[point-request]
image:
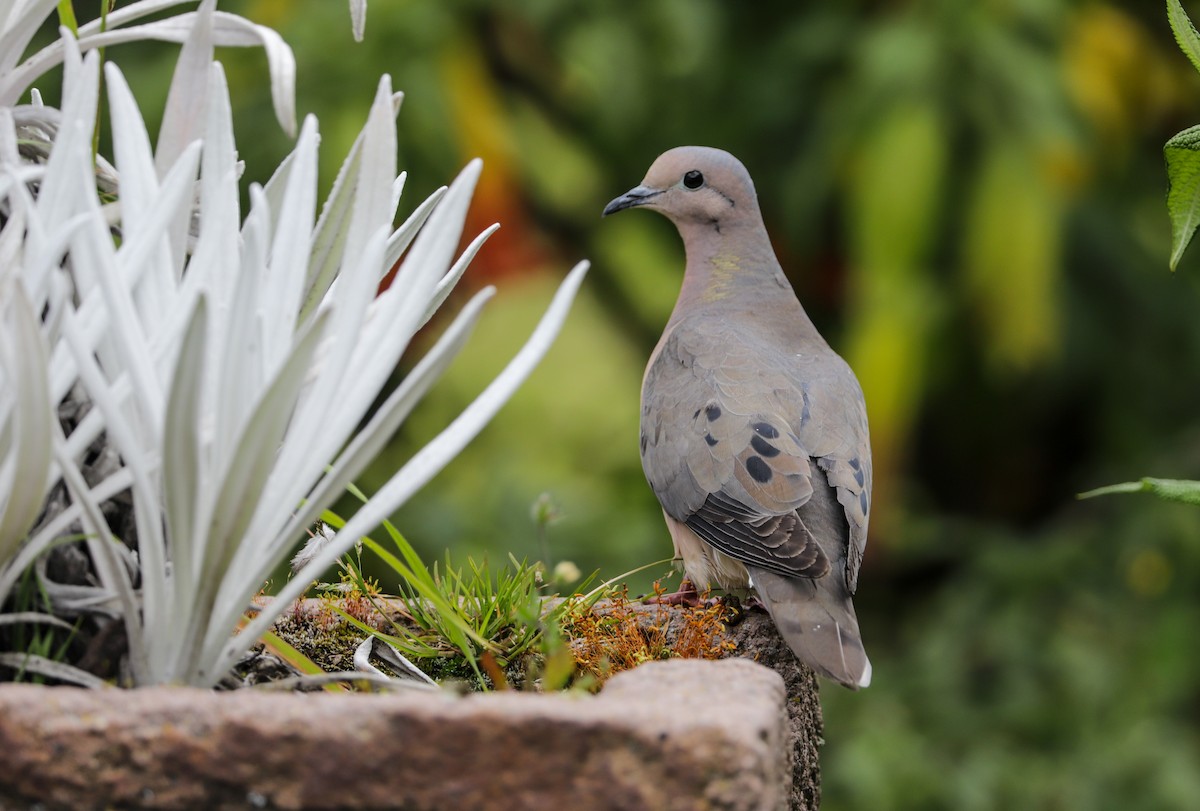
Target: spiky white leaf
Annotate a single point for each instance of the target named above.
(358, 18)
(228, 30)
(48, 667)
(422, 467)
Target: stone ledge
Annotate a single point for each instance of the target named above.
(676, 734)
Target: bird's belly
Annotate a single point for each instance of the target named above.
(705, 566)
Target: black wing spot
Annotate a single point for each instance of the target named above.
(862, 501)
(804, 415)
(645, 439)
(854, 463)
(765, 429)
(759, 470)
(697, 414)
(713, 412)
(710, 439)
(858, 476)
(762, 446)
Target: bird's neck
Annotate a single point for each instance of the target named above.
(731, 263)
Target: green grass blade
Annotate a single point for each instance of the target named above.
(411, 645)
(447, 612)
(595, 594)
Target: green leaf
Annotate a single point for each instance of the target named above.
(1182, 490)
(1185, 32)
(1182, 154)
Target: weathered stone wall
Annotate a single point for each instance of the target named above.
(675, 734)
(757, 640)
(668, 735)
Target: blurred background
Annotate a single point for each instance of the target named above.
(969, 200)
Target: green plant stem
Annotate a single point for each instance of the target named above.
(104, 9)
(66, 16)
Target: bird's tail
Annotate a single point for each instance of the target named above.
(817, 620)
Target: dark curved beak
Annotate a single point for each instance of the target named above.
(636, 196)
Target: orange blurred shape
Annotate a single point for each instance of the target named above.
(483, 131)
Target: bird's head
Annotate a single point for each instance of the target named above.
(695, 185)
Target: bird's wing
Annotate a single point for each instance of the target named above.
(833, 427)
(730, 433)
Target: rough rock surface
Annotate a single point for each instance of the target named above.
(756, 638)
(668, 735)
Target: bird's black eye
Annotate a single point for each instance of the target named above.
(693, 179)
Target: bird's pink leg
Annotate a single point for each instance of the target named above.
(685, 596)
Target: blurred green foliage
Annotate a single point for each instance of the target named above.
(1058, 671)
(969, 199)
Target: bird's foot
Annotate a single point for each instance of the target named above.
(686, 596)
(735, 611)
(754, 604)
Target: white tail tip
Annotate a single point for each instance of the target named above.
(865, 679)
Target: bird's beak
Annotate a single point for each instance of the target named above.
(637, 196)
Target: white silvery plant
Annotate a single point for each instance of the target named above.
(228, 360)
(21, 19)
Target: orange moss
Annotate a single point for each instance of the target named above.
(621, 637)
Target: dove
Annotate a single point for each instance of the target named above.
(753, 430)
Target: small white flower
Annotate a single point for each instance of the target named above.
(566, 571)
